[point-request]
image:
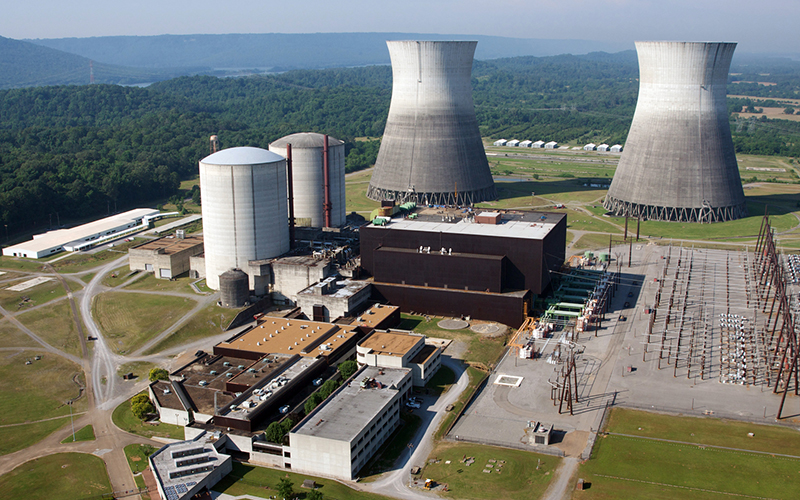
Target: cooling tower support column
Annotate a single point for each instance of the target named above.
(431, 151)
(679, 162)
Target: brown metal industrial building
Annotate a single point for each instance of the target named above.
(489, 267)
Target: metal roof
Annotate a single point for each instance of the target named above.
(306, 140)
(245, 155)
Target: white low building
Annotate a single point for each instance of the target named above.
(83, 236)
(401, 350)
(538, 144)
(343, 433)
(616, 148)
(525, 144)
(186, 468)
(590, 147)
(602, 147)
(551, 145)
(500, 142)
(513, 143)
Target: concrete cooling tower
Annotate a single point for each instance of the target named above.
(308, 178)
(431, 151)
(245, 216)
(679, 162)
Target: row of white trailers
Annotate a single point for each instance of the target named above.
(616, 148)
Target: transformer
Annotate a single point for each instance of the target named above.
(679, 162)
(431, 152)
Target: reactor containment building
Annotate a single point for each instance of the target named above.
(679, 162)
(245, 215)
(431, 152)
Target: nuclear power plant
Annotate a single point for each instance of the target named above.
(317, 178)
(245, 216)
(679, 162)
(431, 151)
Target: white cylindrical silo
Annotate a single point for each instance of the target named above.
(245, 215)
(308, 176)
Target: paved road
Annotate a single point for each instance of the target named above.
(395, 483)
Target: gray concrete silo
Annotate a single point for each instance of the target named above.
(245, 216)
(679, 163)
(308, 177)
(431, 150)
(234, 288)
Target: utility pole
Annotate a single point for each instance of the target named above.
(71, 421)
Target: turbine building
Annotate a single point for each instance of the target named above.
(679, 162)
(431, 152)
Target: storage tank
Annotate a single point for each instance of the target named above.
(234, 288)
(245, 216)
(679, 163)
(431, 151)
(308, 177)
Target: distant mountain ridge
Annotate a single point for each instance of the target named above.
(24, 64)
(293, 51)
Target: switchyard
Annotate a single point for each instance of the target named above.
(679, 330)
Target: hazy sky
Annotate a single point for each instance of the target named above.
(758, 26)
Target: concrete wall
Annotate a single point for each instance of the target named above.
(335, 306)
(289, 279)
(177, 263)
(431, 145)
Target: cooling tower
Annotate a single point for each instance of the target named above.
(679, 162)
(431, 151)
(308, 177)
(245, 216)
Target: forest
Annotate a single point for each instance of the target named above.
(71, 152)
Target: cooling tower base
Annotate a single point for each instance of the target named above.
(675, 214)
(463, 198)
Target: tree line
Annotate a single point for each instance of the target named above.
(80, 151)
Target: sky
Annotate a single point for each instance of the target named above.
(759, 26)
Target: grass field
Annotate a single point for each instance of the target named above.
(517, 479)
(37, 391)
(21, 436)
(141, 369)
(262, 482)
(209, 321)
(85, 434)
(20, 264)
(137, 456)
(63, 476)
(150, 283)
(125, 420)
(131, 319)
(481, 350)
(40, 294)
(78, 262)
(55, 325)
(117, 276)
(356, 193)
(633, 467)
(591, 241)
(11, 336)
(86, 278)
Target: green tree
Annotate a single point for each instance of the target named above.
(141, 406)
(274, 433)
(348, 368)
(788, 111)
(314, 495)
(285, 488)
(158, 374)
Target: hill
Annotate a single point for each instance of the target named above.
(24, 64)
(276, 51)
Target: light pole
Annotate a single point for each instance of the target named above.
(6, 232)
(71, 421)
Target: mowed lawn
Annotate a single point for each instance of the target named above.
(209, 321)
(29, 394)
(55, 325)
(131, 319)
(63, 476)
(631, 466)
(516, 478)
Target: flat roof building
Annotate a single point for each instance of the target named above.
(165, 257)
(379, 316)
(80, 237)
(295, 273)
(186, 468)
(333, 298)
(341, 435)
(400, 350)
(486, 267)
